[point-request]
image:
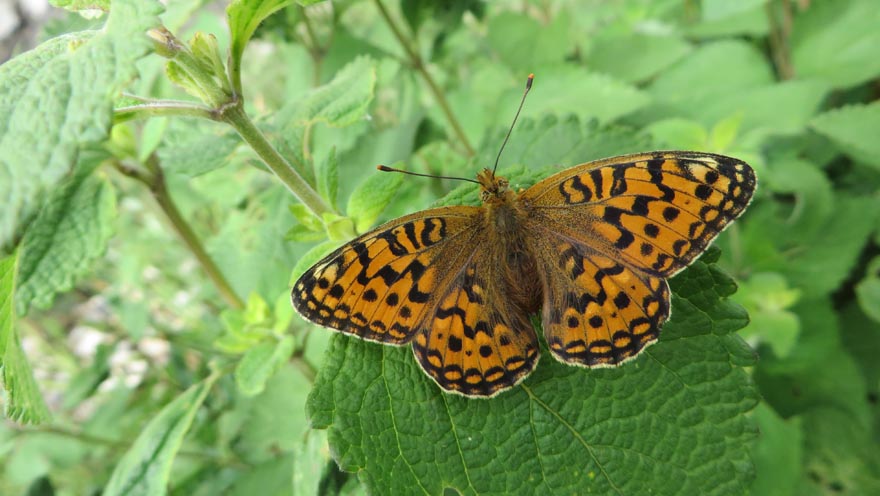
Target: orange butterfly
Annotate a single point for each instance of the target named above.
(590, 248)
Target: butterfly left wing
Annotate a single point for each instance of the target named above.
(380, 284)
(477, 341)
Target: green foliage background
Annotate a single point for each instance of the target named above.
(164, 186)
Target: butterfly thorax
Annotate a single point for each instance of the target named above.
(504, 217)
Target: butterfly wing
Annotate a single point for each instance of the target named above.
(654, 211)
(477, 342)
(610, 232)
(379, 285)
(432, 276)
(597, 311)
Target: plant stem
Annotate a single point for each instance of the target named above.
(119, 444)
(155, 181)
(419, 65)
(237, 118)
(162, 108)
(778, 38)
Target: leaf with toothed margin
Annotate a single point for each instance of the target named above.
(57, 99)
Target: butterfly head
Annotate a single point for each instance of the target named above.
(494, 189)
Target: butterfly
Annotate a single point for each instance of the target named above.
(589, 249)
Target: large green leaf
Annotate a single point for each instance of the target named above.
(57, 99)
(8, 269)
(67, 236)
(22, 401)
(854, 130)
(837, 42)
(672, 420)
(145, 468)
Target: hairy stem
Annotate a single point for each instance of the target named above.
(237, 118)
(160, 108)
(155, 181)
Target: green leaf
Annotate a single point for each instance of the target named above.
(839, 454)
(57, 99)
(23, 402)
(634, 57)
(868, 290)
(311, 459)
(768, 299)
(672, 420)
(194, 148)
(341, 102)
(259, 364)
(69, 234)
(697, 75)
(81, 5)
(679, 134)
(598, 96)
(328, 178)
(8, 270)
(836, 42)
(854, 129)
(524, 44)
(244, 16)
(817, 254)
(87, 380)
(778, 454)
(563, 142)
(371, 197)
(146, 466)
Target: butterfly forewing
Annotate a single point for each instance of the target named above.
(380, 284)
(656, 212)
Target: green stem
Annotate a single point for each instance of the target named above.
(416, 61)
(162, 108)
(780, 31)
(118, 444)
(155, 181)
(234, 114)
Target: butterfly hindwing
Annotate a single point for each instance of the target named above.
(596, 311)
(477, 342)
(655, 211)
(379, 285)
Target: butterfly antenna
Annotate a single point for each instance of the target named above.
(526, 92)
(392, 169)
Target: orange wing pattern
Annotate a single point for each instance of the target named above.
(654, 211)
(613, 231)
(423, 276)
(596, 311)
(596, 242)
(477, 342)
(381, 284)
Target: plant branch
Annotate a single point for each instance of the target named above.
(236, 117)
(416, 61)
(118, 444)
(780, 30)
(154, 179)
(163, 108)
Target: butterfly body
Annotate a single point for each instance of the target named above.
(589, 249)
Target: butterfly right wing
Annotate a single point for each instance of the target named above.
(379, 285)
